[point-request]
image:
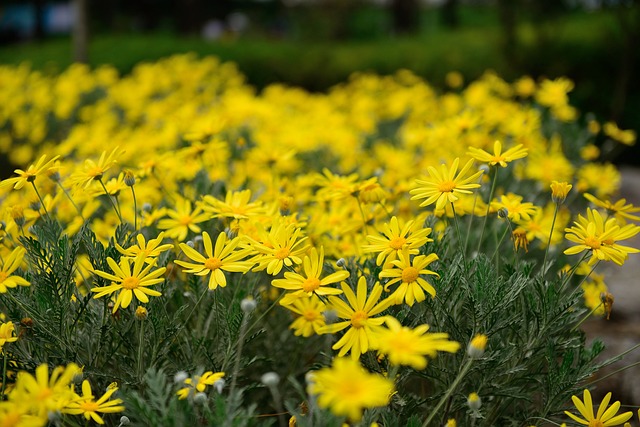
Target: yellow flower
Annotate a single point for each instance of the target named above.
(407, 272)
(516, 208)
(553, 93)
(525, 86)
(333, 186)
(559, 191)
(406, 346)
(94, 171)
(395, 239)
(222, 257)
(129, 282)
(87, 406)
(498, 157)
(346, 389)
(182, 219)
(477, 346)
(443, 186)
(283, 245)
(7, 331)
(599, 237)
(199, 383)
(151, 249)
(44, 393)
(620, 208)
(29, 175)
(604, 418)
(311, 319)
(10, 265)
(303, 286)
(236, 205)
(358, 312)
(626, 137)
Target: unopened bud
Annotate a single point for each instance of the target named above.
(200, 398)
(180, 376)
(248, 304)
(474, 402)
(129, 178)
(124, 420)
(191, 244)
(503, 212)
(219, 385)
(477, 346)
(141, 313)
(147, 207)
(270, 379)
(330, 316)
(35, 205)
(342, 263)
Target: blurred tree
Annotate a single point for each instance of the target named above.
(406, 16)
(38, 11)
(507, 15)
(81, 32)
(628, 18)
(449, 13)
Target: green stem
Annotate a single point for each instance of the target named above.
(364, 219)
(66, 193)
(44, 207)
(546, 252)
(624, 368)
(4, 374)
(473, 211)
(450, 391)
(236, 365)
(110, 200)
(486, 215)
(499, 243)
(206, 288)
(135, 209)
(140, 349)
(573, 270)
(455, 221)
(585, 318)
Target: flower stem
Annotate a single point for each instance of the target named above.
(44, 207)
(451, 389)
(140, 349)
(110, 200)
(66, 193)
(455, 220)
(484, 223)
(546, 252)
(135, 209)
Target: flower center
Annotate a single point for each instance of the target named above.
(89, 406)
(311, 284)
(130, 283)
(311, 315)
(185, 220)
(359, 319)
(397, 243)
(213, 264)
(95, 173)
(410, 274)
(281, 253)
(596, 423)
(446, 186)
(3, 276)
(592, 242)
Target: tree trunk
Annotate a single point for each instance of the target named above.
(406, 16)
(38, 9)
(81, 32)
(449, 13)
(507, 13)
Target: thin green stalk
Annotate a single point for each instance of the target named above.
(585, 318)
(236, 365)
(206, 288)
(573, 270)
(473, 210)
(135, 209)
(140, 349)
(624, 368)
(583, 279)
(44, 207)
(450, 391)
(486, 215)
(499, 243)
(66, 193)
(546, 252)
(4, 374)
(515, 248)
(364, 219)
(455, 220)
(111, 200)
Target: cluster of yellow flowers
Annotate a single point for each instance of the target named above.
(291, 184)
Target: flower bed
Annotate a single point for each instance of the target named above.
(380, 253)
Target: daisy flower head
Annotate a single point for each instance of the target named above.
(219, 258)
(516, 208)
(394, 239)
(236, 205)
(603, 418)
(346, 388)
(309, 283)
(89, 407)
(620, 208)
(445, 186)
(498, 157)
(151, 249)
(599, 237)
(283, 245)
(183, 219)
(92, 171)
(29, 175)
(310, 316)
(559, 191)
(358, 312)
(199, 383)
(129, 283)
(11, 264)
(406, 346)
(7, 334)
(407, 272)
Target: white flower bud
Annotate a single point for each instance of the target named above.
(270, 379)
(248, 305)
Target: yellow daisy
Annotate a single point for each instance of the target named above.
(151, 249)
(394, 239)
(182, 219)
(87, 406)
(10, 265)
(407, 272)
(222, 257)
(310, 319)
(443, 186)
(129, 282)
(498, 157)
(29, 175)
(604, 418)
(358, 312)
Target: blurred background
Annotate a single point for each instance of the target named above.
(318, 43)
